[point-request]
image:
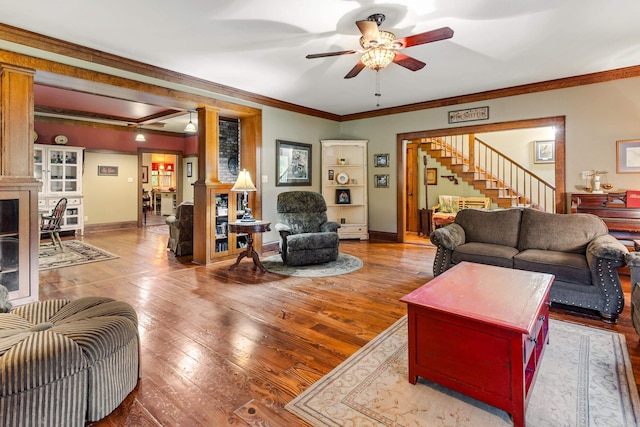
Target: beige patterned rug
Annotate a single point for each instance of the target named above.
(75, 252)
(585, 379)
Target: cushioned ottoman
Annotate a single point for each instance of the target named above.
(63, 363)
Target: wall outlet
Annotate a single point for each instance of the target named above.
(86, 218)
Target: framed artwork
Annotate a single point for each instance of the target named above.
(293, 163)
(331, 175)
(628, 156)
(107, 170)
(381, 160)
(343, 196)
(381, 181)
(189, 169)
(544, 151)
(432, 176)
(145, 174)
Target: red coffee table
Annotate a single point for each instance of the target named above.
(481, 330)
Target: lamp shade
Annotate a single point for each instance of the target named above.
(244, 182)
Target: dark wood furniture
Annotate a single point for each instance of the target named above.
(249, 228)
(623, 222)
(481, 330)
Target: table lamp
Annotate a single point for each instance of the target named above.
(245, 184)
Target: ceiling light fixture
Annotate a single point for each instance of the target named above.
(191, 127)
(140, 137)
(379, 52)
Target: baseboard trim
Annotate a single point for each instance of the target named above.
(271, 247)
(383, 236)
(94, 228)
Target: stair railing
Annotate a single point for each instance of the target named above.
(511, 179)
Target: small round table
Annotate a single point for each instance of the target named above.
(249, 228)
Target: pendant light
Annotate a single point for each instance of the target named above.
(191, 127)
(140, 136)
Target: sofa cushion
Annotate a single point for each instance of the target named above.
(485, 253)
(559, 232)
(499, 227)
(567, 267)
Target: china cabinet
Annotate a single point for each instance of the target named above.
(344, 186)
(60, 169)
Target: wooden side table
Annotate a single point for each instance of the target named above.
(249, 228)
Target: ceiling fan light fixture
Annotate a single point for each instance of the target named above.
(140, 136)
(377, 58)
(191, 127)
(385, 39)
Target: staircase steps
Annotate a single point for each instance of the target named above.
(483, 181)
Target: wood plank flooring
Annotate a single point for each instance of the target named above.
(223, 347)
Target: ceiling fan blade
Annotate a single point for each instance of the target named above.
(369, 30)
(355, 70)
(408, 62)
(324, 55)
(428, 37)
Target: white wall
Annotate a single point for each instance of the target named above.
(596, 117)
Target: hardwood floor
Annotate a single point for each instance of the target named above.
(223, 347)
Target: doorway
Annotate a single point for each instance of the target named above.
(408, 146)
(161, 182)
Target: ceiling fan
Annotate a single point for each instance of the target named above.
(380, 48)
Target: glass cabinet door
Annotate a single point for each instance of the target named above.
(221, 221)
(14, 243)
(64, 171)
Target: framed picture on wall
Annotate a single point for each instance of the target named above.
(381, 181)
(432, 176)
(381, 160)
(293, 163)
(544, 151)
(145, 174)
(189, 169)
(107, 170)
(628, 156)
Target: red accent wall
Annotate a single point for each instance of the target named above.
(108, 139)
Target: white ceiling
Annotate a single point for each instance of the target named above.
(260, 45)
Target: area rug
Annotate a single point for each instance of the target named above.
(75, 253)
(344, 264)
(585, 379)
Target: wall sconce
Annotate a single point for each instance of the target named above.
(451, 178)
(140, 137)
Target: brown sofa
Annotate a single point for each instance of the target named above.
(576, 249)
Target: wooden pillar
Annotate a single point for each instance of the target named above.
(203, 206)
(16, 121)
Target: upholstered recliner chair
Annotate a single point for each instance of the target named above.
(306, 237)
(181, 229)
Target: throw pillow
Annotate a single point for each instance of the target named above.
(448, 204)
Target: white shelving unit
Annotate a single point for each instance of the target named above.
(344, 173)
(59, 169)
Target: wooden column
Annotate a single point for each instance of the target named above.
(16, 174)
(16, 121)
(203, 206)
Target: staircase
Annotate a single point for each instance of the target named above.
(491, 172)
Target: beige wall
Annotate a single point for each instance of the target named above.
(596, 117)
(289, 126)
(110, 198)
